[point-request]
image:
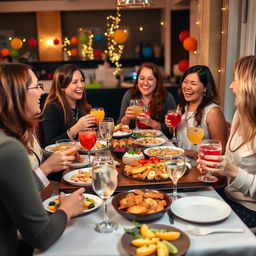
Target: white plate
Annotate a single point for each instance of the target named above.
(122, 134)
(48, 148)
(140, 142)
(157, 133)
(146, 151)
(102, 142)
(97, 200)
(201, 209)
(82, 164)
(67, 177)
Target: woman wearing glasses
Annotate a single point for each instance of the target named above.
(20, 205)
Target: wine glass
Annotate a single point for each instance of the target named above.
(174, 116)
(104, 182)
(137, 109)
(175, 168)
(99, 114)
(87, 138)
(209, 147)
(107, 128)
(65, 144)
(194, 135)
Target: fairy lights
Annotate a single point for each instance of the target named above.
(87, 49)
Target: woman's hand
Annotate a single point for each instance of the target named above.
(85, 122)
(129, 113)
(72, 204)
(58, 161)
(145, 119)
(167, 121)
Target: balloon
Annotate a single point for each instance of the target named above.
(14, 53)
(190, 44)
(56, 41)
(120, 36)
(147, 52)
(183, 65)
(74, 52)
(16, 43)
(98, 38)
(49, 75)
(32, 42)
(84, 39)
(183, 35)
(74, 40)
(5, 52)
(97, 53)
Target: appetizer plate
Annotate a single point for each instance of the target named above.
(67, 177)
(143, 143)
(119, 135)
(181, 243)
(201, 209)
(101, 143)
(98, 202)
(84, 159)
(163, 151)
(146, 133)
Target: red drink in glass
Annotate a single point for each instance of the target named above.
(87, 139)
(213, 150)
(174, 118)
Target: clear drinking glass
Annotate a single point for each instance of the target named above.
(137, 108)
(195, 135)
(104, 182)
(65, 144)
(174, 116)
(175, 168)
(87, 139)
(106, 129)
(209, 147)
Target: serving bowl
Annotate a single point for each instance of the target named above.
(143, 217)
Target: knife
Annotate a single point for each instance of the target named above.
(170, 215)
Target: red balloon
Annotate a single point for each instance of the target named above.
(49, 75)
(190, 44)
(183, 65)
(32, 42)
(97, 53)
(74, 40)
(56, 41)
(74, 52)
(5, 52)
(183, 35)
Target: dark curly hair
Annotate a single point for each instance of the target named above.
(210, 96)
(156, 103)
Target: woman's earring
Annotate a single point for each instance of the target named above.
(204, 94)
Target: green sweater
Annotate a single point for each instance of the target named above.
(20, 204)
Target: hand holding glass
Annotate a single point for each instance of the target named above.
(137, 109)
(174, 116)
(104, 182)
(107, 128)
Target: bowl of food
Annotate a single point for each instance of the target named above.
(141, 204)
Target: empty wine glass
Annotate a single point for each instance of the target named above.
(107, 128)
(175, 168)
(137, 108)
(209, 147)
(104, 182)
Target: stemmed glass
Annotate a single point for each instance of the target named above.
(175, 168)
(104, 182)
(99, 114)
(137, 108)
(174, 116)
(194, 135)
(209, 147)
(65, 144)
(107, 128)
(87, 138)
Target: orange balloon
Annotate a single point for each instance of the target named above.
(190, 44)
(5, 52)
(120, 36)
(74, 52)
(16, 43)
(73, 40)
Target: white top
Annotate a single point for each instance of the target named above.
(189, 120)
(243, 188)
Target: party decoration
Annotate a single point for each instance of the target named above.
(49, 75)
(14, 53)
(120, 36)
(16, 43)
(5, 52)
(190, 44)
(183, 35)
(84, 39)
(74, 40)
(74, 52)
(97, 53)
(98, 38)
(183, 65)
(86, 49)
(147, 52)
(32, 42)
(56, 41)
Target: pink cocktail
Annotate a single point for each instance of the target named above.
(174, 118)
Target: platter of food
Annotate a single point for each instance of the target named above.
(146, 133)
(82, 161)
(163, 151)
(122, 131)
(150, 141)
(79, 177)
(91, 203)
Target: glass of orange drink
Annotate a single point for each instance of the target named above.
(65, 144)
(99, 113)
(137, 109)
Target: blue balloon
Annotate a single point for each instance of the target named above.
(98, 38)
(147, 52)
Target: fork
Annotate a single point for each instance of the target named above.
(205, 231)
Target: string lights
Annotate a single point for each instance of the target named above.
(86, 47)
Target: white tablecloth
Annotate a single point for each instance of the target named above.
(80, 238)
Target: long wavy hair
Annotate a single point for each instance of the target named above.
(14, 121)
(157, 100)
(61, 80)
(245, 74)
(210, 96)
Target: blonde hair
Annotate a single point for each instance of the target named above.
(245, 73)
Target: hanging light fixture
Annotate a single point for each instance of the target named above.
(133, 3)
